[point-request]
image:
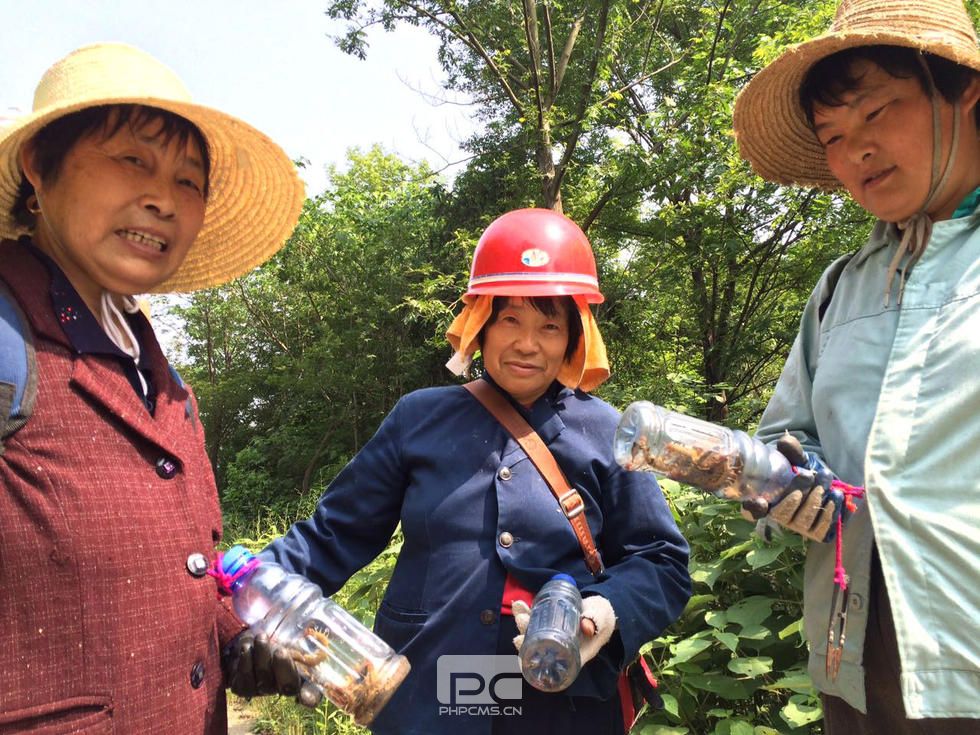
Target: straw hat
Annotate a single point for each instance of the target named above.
(770, 125)
(255, 193)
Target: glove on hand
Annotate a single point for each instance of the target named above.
(596, 625)
(810, 507)
(522, 615)
(253, 666)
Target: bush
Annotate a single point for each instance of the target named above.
(735, 662)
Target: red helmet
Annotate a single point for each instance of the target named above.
(534, 252)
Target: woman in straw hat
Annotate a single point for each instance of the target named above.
(881, 382)
(116, 184)
(482, 529)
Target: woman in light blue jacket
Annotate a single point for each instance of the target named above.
(881, 383)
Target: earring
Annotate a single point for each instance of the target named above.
(32, 205)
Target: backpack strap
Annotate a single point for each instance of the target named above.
(541, 457)
(830, 284)
(188, 412)
(18, 366)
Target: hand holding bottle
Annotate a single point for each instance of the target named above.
(596, 626)
(290, 618)
(811, 505)
(255, 666)
(560, 633)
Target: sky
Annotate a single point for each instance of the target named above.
(269, 62)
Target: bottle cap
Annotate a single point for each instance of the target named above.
(234, 559)
(228, 568)
(565, 578)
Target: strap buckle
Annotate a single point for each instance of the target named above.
(572, 504)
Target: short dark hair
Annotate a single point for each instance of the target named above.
(831, 78)
(549, 306)
(54, 141)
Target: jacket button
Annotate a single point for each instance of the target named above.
(487, 617)
(506, 539)
(504, 473)
(855, 602)
(197, 565)
(167, 467)
(197, 674)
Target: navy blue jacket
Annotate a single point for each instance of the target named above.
(435, 465)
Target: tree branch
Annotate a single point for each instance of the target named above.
(566, 52)
(534, 51)
(586, 93)
(549, 34)
(467, 37)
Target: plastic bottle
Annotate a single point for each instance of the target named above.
(725, 462)
(353, 667)
(550, 658)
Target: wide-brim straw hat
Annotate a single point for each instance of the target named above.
(770, 125)
(255, 193)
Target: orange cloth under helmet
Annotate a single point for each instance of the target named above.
(587, 369)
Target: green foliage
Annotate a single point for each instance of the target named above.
(297, 363)
(734, 662)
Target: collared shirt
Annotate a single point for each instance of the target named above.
(86, 334)
(889, 396)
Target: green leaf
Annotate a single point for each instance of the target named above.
(716, 619)
(737, 550)
(798, 713)
(751, 667)
(698, 601)
(754, 632)
(720, 684)
(791, 630)
(795, 680)
(687, 649)
(763, 556)
(707, 572)
(663, 730)
(750, 611)
(670, 705)
(729, 640)
(733, 727)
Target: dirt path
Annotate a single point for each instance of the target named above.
(240, 720)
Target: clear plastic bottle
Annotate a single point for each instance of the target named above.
(550, 658)
(725, 462)
(353, 667)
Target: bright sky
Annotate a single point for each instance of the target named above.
(268, 62)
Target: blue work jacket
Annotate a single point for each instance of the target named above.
(473, 508)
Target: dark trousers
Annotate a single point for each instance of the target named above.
(555, 714)
(882, 670)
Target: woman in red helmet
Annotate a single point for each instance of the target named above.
(482, 529)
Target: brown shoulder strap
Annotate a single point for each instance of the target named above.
(568, 497)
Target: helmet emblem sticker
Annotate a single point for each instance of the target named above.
(535, 258)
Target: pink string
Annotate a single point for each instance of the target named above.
(850, 492)
(225, 580)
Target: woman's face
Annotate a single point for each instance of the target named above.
(879, 144)
(524, 349)
(122, 212)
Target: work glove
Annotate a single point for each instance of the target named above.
(596, 625)
(810, 506)
(254, 665)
